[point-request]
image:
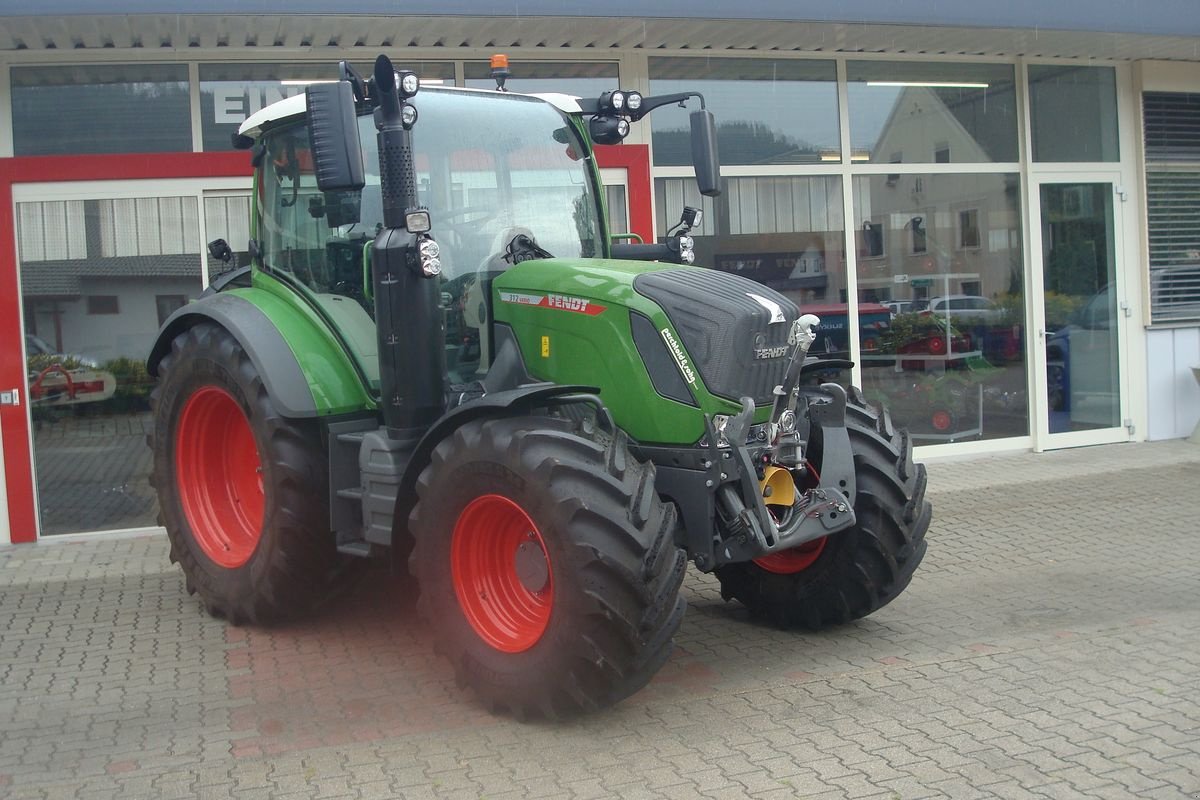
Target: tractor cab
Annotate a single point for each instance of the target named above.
(519, 177)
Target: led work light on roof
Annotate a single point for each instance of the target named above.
(409, 84)
(612, 102)
(608, 130)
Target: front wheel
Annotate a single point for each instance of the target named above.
(547, 565)
(242, 492)
(855, 572)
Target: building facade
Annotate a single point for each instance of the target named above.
(996, 214)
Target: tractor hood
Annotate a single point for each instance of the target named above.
(688, 338)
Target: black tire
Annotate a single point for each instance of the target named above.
(614, 570)
(291, 563)
(863, 568)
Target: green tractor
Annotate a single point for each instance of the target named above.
(541, 426)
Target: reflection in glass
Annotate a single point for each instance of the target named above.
(1079, 271)
(910, 113)
(1074, 113)
(767, 112)
(940, 265)
(231, 92)
(97, 277)
(90, 109)
(784, 232)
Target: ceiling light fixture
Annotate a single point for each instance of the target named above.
(931, 84)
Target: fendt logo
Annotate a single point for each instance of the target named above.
(770, 352)
(562, 302)
(681, 358)
(762, 352)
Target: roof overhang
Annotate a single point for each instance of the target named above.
(294, 35)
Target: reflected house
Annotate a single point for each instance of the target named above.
(942, 239)
(106, 273)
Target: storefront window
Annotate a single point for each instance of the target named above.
(97, 278)
(581, 79)
(903, 112)
(227, 216)
(784, 232)
(231, 92)
(1074, 111)
(767, 111)
(117, 108)
(942, 303)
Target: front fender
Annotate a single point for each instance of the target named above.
(305, 371)
(502, 403)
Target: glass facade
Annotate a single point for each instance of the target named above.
(768, 111)
(940, 262)
(97, 278)
(917, 272)
(786, 232)
(231, 92)
(1074, 111)
(903, 112)
(578, 78)
(123, 108)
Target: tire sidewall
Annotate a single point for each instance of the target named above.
(465, 480)
(206, 369)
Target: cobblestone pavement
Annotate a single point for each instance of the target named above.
(1048, 647)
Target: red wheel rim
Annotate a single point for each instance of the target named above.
(797, 559)
(941, 420)
(219, 476)
(492, 537)
(937, 345)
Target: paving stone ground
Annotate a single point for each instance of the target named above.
(1048, 647)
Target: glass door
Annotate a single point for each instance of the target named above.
(1080, 315)
(101, 266)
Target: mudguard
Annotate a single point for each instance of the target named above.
(499, 403)
(304, 370)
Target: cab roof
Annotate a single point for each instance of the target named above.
(296, 105)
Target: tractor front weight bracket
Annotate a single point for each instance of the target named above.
(716, 487)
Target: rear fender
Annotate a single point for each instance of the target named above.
(305, 371)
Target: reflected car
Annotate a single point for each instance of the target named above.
(963, 307)
(1081, 362)
(37, 346)
(874, 320)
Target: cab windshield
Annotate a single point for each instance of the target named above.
(489, 168)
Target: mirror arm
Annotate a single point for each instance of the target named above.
(648, 104)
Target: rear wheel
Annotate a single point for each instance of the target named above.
(242, 491)
(857, 571)
(547, 565)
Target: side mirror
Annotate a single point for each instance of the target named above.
(704, 153)
(333, 136)
(220, 250)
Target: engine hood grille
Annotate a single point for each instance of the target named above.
(734, 329)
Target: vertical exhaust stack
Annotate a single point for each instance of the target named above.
(404, 266)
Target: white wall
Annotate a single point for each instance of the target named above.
(1174, 394)
(129, 333)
